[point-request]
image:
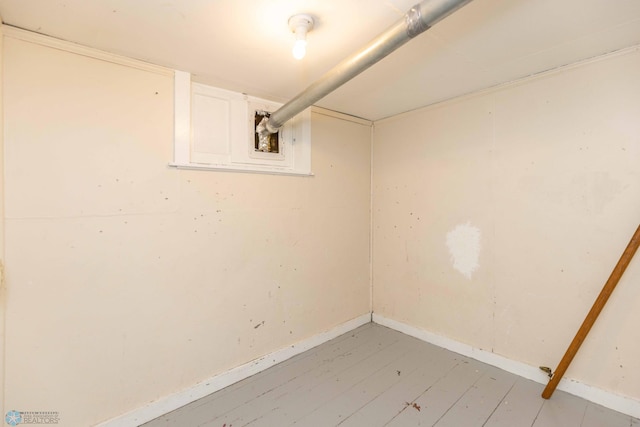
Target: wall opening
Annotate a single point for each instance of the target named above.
(272, 145)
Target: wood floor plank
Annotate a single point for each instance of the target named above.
(437, 399)
(598, 416)
(435, 364)
(480, 401)
(562, 409)
(519, 407)
(295, 406)
(281, 396)
(341, 406)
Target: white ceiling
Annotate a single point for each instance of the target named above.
(245, 45)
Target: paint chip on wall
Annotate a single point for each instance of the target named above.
(464, 247)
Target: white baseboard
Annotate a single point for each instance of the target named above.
(172, 402)
(607, 399)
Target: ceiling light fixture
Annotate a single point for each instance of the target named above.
(300, 24)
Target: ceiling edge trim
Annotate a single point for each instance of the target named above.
(67, 46)
(342, 116)
(516, 82)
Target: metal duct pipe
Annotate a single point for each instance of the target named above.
(418, 19)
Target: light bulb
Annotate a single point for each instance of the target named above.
(300, 25)
(299, 49)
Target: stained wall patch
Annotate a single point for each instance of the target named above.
(464, 248)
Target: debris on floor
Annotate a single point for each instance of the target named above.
(413, 405)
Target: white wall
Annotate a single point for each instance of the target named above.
(129, 280)
(546, 173)
(2, 279)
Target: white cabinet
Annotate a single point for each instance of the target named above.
(215, 129)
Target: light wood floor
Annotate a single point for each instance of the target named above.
(375, 376)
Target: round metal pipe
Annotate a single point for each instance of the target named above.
(417, 20)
